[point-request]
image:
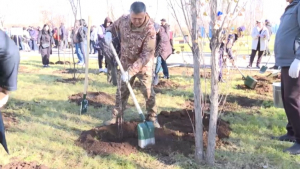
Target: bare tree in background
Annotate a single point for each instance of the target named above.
(192, 28)
(74, 5)
(3, 11)
(195, 13)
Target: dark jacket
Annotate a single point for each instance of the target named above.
(63, 33)
(163, 48)
(45, 38)
(9, 63)
(288, 30)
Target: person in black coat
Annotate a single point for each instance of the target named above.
(45, 41)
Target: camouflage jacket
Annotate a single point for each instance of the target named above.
(137, 44)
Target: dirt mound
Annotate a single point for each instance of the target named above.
(23, 165)
(206, 75)
(70, 80)
(9, 120)
(166, 84)
(227, 107)
(162, 85)
(96, 99)
(176, 135)
(62, 63)
(263, 88)
(262, 79)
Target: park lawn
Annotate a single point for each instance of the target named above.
(245, 50)
(48, 124)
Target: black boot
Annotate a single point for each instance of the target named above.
(285, 137)
(294, 150)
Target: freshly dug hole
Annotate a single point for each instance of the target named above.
(176, 135)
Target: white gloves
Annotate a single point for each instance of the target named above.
(3, 100)
(294, 69)
(125, 77)
(108, 37)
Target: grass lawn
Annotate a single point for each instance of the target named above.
(48, 124)
(243, 49)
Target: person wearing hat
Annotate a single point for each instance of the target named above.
(226, 46)
(260, 37)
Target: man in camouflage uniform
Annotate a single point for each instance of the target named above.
(138, 41)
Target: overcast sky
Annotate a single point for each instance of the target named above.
(28, 11)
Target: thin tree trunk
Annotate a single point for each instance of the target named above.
(197, 87)
(210, 153)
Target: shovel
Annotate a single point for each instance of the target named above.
(145, 129)
(264, 68)
(248, 81)
(84, 103)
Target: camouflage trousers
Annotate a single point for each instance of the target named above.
(146, 88)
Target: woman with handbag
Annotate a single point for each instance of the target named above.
(45, 41)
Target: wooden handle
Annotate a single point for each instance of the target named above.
(128, 84)
(87, 58)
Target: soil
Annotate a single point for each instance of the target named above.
(9, 120)
(175, 136)
(206, 75)
(22, 68)
(262, 79)
(71, 80)
(51, 63)
(232, 104)
(96, 99)
(263, 88)
(23, 165)
(62, 62)
(162, 85)
(278, 77)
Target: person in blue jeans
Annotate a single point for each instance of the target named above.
(80, 41)
(163, 49)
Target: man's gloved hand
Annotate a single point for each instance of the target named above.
(125, 77)
(108, 37)
(294, 69)
(3, 99)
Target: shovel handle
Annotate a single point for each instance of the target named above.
(240, 72)
(128, 84)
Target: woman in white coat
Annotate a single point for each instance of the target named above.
(260, 36)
